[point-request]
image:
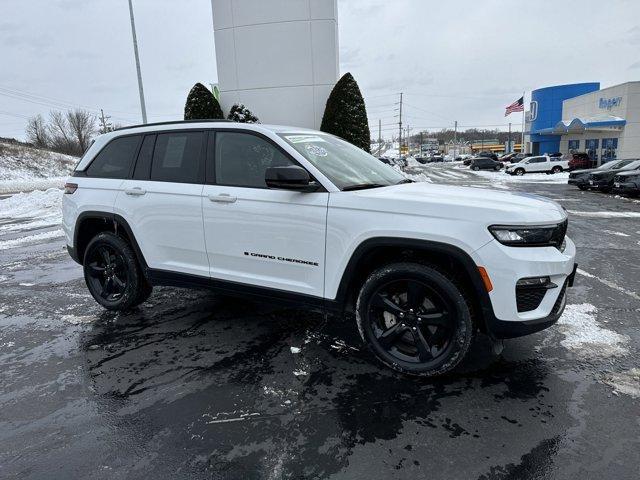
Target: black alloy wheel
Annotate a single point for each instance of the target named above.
(112, 273)
(519, 172)
(107, 273)
(414, 319)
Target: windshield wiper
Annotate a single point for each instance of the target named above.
(406, 180)
(362, 186)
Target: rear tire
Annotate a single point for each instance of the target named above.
(582, 187)
(556, 169)
(112, 273)
(475, 168)
(414, 319)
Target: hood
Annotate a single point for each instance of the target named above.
(610, 173)
(628, 173)
(445, 201)
(583, 171)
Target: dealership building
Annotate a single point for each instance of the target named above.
(582, 117)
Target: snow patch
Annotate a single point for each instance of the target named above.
(604, 214)
(584, 335)
(618, 234)
(627, 382)
(502, 177)
(38, 237)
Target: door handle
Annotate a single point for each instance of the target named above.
(223, 198)
(135, 191)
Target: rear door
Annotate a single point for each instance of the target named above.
(538, 164)
(162, 201)
(255, 235)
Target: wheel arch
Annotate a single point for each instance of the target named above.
(373, 253)
(90, 223)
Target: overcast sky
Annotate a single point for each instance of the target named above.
(454, 60)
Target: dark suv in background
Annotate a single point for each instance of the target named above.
(603, 180)
(482, 163)
(580, 178)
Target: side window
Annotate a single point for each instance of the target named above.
(177, 157)
(241, 159)
(115, 159)
(143, 164)
(537, 160)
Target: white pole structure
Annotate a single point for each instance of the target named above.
(522, 141)
(135, 51)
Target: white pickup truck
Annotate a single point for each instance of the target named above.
(542, 163)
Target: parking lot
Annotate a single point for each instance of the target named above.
(194, 385)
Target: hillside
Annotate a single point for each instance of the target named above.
(24, 168)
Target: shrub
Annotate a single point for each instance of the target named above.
(240, 113)
(201, 104)
(345, 114)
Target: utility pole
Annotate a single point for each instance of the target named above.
(135, 51)
(455, 138)
(408, 138)
(400, 127)
(105, 125)
(379, 131)
(509, 141)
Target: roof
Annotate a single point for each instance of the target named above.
(580, 125)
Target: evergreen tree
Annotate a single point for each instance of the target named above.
(240, 113)
(345, 114)
(201, 104)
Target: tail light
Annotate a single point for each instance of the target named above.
(70, 188)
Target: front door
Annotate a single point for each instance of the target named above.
(537, 164)
(258, 236)
(163, 202)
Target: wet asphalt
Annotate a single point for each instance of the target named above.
(196, 385)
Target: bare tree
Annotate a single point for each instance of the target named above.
(60, 133)
(37, 132)
(82, 125)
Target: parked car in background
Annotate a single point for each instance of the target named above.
(506, 157)
(467, 161)
(603, 181)
(437, 158)
(539, 164)
(490, 155)
(518, 157)
(421, 160)
(580, 160)
(554, 154)
(627, 182)
(483, 163)
(580, 178)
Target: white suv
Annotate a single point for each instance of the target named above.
(540, 164)
(299, 215)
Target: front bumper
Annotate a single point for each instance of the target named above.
(577, 181)
(626, 187)
(598, 183)
(505, 266)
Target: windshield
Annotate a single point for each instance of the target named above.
(347, 166)
(632, 166)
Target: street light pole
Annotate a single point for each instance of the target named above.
(135, 51)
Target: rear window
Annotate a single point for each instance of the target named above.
(114, 160)
(177, 157)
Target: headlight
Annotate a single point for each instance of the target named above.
(530, 236)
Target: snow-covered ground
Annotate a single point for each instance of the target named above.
(24, 168)
(502, 177)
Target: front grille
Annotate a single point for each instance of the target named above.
(618, 178)
(529, 298)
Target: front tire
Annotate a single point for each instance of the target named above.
(112, 273)
(519, 172)
(414, 319)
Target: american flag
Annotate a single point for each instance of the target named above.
(517, 106)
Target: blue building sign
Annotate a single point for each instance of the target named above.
(610, 103)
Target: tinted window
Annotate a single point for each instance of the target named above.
(242, 159)
(114, 160)
(177, 157)
(537, 160)
(143, 164)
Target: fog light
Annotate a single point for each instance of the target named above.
(532, 282)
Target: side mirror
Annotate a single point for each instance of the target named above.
(291, 177)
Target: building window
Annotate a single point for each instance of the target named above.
(591, 146)
(574, 146)
(609, 147)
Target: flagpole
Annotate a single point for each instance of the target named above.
(522, 141)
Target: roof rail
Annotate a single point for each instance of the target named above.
(204, 120)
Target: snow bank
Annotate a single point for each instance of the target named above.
(502, 177)
(27, 211)
(24, 168)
